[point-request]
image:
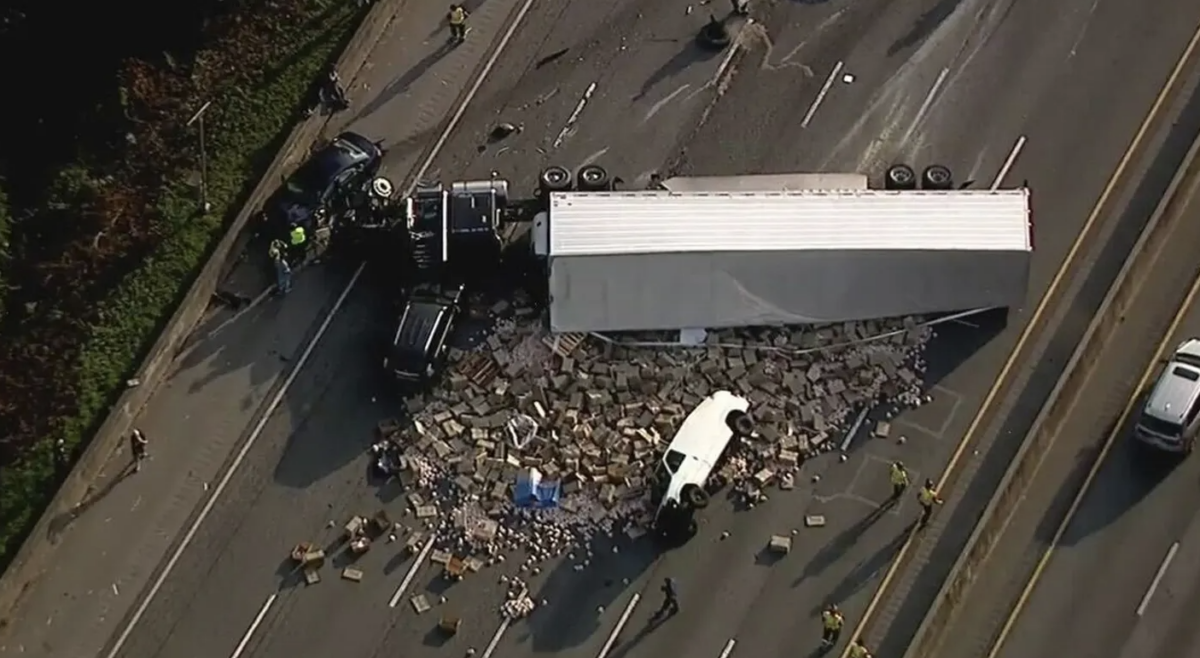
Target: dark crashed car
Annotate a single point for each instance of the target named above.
(324, 184)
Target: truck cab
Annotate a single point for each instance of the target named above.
(418, 347)
(459, 223)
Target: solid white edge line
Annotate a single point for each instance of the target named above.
(927, 103)
(1162, 571)
(412, 573)
(140, 611)
(812, 109)
(728, 648)
(254, 625)
(491, 647)
(1008, 163)
(612, 637)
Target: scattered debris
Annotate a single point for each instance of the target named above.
(780, 544)
(576, 425)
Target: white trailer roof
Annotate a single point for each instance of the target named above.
(627, 223)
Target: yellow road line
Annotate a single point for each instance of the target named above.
(1006, 371)
(1109, 441)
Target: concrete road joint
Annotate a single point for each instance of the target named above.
(38, 549)
(1001, 507)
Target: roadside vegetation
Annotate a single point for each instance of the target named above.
(99, 231)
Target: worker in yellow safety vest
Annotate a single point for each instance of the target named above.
(832, 622)
(458, 23)
(898, 474)
(928, 497)
(859, 650)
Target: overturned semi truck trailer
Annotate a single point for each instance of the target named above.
(753, 251)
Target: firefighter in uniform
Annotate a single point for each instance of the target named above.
(928, 497)
(831, 626)
(859, 650)
(458, 23)
(899, 477)
(283, 270)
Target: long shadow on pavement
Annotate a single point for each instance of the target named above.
(1046, 373)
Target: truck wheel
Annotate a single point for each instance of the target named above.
(900, 177)
(554, 179)
(740, 423)
(694, 497)
(592, 178)
(937, 177)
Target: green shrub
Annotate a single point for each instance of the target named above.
(251, 113)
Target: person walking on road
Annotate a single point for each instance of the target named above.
(899, 477)
(137, 448)
(832, 622)
(928, 497)
(859, 650)
(670, 604)
(458, 23)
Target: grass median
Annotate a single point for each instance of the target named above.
(258, 75)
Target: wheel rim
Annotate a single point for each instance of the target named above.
(901, 176)
(555, 176)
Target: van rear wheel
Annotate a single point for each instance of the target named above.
(740, 423)
(694, 497)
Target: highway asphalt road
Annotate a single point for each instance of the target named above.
(1100, 593)
(1011, 71)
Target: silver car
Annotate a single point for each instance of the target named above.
(1170, 420)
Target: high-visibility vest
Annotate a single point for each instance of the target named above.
(832, 621)
(927, 496)
(859, 651)
(297, 236)
(899, 475)
(458, 16)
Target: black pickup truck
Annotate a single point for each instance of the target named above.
(418, 347)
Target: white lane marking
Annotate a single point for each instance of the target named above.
(412, 573)
(140, 611)
(612, 638)
(504, 624)
(1008, 163)
(1162, 571)
(583, 101)
(850, 433)
(728, 648)
(926, 104)
(812, 109)
(254, 625)
(491, 647)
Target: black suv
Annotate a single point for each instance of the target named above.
(323, 184)
(418, 347)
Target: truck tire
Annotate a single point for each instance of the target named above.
(554, 179)
(694, 497)
(937, 177)
(592, 178)
(900, 177)
(740, 423)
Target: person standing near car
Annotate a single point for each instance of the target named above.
(458, 23)
(297, 245)
(283, 270)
